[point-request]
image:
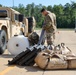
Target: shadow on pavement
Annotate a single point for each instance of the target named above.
(63, 70)
(31, 68)
(36, 68)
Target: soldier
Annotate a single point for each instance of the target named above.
(49, 25)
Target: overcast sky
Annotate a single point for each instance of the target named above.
(43, 2)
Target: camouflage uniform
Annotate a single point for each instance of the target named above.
(33, 38)
(50, 28)
(54, 18)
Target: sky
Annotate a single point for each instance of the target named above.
(9, 3)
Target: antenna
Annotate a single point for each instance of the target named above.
(13, 3)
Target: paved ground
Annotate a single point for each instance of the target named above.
(68, 37)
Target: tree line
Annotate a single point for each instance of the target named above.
(65, 15)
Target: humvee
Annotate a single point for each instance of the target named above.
(11, 23)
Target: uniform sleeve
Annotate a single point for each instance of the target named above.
(48, 23)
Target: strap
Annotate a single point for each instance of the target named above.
(59, 56)
(47, 63)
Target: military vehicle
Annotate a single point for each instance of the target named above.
(11, 23)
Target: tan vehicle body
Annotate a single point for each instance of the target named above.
(13, 23)
(9, 22)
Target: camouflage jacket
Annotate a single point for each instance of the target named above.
(49, 23)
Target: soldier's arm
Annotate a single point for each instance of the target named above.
(48, 23)
(55, 22)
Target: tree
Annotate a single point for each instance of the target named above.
(50, 8)
(65, 14)
(0, 5)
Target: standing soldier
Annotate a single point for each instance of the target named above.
(49, 25)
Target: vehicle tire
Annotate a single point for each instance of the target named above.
(2, 41)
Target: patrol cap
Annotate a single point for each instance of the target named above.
(42, 10)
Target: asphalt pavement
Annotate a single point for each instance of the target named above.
(62, 36)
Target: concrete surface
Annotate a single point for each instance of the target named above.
(67, 37)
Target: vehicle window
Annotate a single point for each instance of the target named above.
(3, 13)
(16, 17)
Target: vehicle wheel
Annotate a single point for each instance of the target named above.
(2, 41)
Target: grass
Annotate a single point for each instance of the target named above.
(38, 28)
(66, 29)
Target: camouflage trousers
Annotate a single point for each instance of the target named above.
(50, 38)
